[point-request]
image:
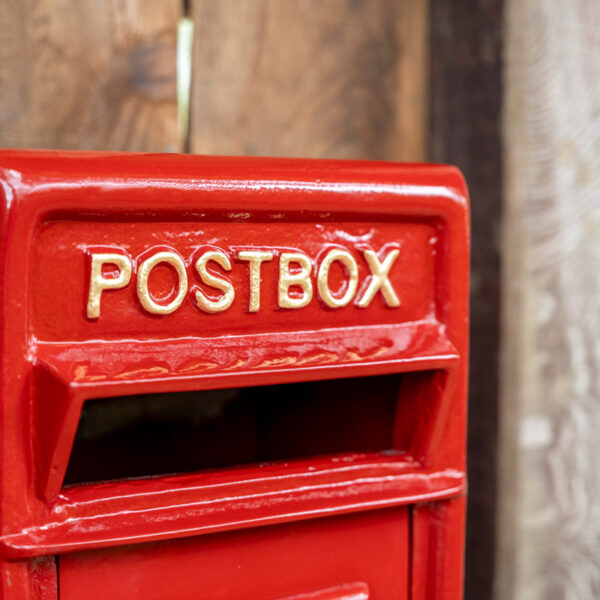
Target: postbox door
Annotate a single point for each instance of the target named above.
(358, 556)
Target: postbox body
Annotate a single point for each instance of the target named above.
(231, 378)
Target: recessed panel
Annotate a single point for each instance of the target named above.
(177, 279)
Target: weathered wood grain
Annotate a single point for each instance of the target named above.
(90, 74)
(466, 96)
(335, 78)
(550, 484)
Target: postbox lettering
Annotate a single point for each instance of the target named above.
(380, 272)
(301, 279)
(144, 296)
(224, 302)
(346, 259)
(255, 260)
(294, 285)
(99, 283)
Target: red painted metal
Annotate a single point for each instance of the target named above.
(265, 562)
(227, 533)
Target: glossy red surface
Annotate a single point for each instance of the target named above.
(57, 250)
(58, 209)
(265, 562)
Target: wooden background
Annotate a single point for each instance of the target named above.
(95, 74)
(550, 443)
(438, 80)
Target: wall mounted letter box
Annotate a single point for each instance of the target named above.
(231, 378)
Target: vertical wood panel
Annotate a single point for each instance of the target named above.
(466, 93)
(90, 74)
(550, 492)
(335, 78)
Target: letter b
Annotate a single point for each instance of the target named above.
(300, 279)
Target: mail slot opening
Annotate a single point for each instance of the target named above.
(168, 433)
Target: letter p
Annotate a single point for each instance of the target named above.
(99, 283)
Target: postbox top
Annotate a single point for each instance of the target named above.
(134, 273)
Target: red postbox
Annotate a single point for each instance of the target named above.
(231, 378)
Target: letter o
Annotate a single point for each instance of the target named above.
(170, 258)
(344, 257)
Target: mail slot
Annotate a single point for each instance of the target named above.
(231, 378)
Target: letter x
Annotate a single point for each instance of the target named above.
(379, 279)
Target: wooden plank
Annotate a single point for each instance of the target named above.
(341, 78)
(90, 74)
(550, 485)
(466, 94)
